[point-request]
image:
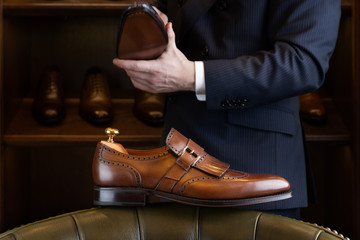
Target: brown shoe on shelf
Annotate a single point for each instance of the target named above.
(312, 108)
(49, 106)
(95, 100)
(181, 171)
(141, 33)
(149, 107)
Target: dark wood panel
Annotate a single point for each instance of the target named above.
(333, 172)
(356, 117)
(2, 184)
(17, 167)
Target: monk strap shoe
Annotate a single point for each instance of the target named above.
(182, 172)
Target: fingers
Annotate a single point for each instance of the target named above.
(163, 17)
(133, 65)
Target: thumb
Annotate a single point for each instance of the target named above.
(171, 34)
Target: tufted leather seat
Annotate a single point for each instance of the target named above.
(169, 221)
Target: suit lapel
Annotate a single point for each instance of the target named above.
(188, 14)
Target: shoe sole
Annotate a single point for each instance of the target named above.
(116, 196)
(141, 34)
(97, 122)
(156, 122)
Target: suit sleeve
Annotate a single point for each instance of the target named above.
(302, 36)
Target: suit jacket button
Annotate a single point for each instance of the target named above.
(225, 103)
(172, 98)
(244, 102)
(234, 102)
(205, 51)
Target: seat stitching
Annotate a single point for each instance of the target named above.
(198, 223)
(318, 234)
(256, 225)
(138, 219)
(76, 226)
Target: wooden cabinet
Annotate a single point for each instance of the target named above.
(46, 171)
(334, 152)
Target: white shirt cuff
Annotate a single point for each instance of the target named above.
(200, 81)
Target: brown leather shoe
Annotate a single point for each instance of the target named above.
(95, 101)
(48, 106)
(141, 33)
(312, 108)
(181, 171)
(149, 107)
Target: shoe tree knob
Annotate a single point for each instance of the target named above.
(111, 132)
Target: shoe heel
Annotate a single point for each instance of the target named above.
(111, 196)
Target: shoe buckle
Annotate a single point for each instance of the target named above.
(191, 152)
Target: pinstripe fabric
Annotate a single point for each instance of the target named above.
(262, 53)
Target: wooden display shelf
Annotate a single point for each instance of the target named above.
(51, 7)
(334, 129)
(25, 131)
(346, 7)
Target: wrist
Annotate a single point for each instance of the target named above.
(190, 76)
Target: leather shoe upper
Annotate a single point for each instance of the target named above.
(48, 106)
(312, 108)
(95, 101)
(149, 107)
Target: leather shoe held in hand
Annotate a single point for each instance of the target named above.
(182, 172)
(312, 108)
(49, 107)
(95, 101)
(149, 107)
(141, 33)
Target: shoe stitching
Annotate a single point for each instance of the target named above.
(185, 184)
(194, 180)
(168, 140)
(200, 160)
(159, 155)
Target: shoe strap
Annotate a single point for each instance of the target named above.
(192, 155)
(189, 155)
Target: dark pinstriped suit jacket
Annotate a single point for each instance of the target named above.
(259, 55)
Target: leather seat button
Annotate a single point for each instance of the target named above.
(205, 51)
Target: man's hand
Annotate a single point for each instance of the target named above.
(171, 72)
